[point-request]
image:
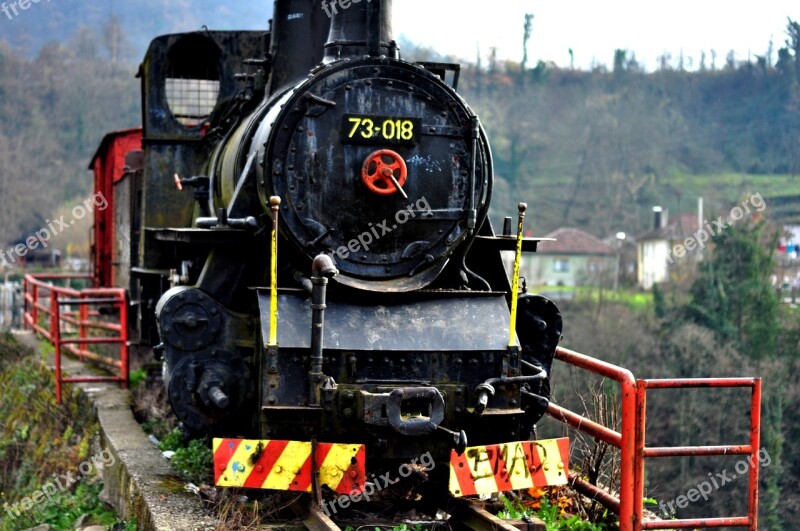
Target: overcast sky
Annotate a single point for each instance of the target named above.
(594, 29)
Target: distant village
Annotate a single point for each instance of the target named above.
(569, 258)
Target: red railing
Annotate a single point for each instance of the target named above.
(630, 440)
(751, 520)
(45, 316)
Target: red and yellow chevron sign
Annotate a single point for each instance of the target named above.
(509, 466)
(286, 465)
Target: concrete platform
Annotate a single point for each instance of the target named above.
(140, 484)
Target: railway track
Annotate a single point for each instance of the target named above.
(464, 515)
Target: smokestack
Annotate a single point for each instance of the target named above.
(657, 217)
(299, 30)
(364, 27)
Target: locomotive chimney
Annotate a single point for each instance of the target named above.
(358, 28)
(299, 31)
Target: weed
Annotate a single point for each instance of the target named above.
(550, 514)
(67, 507)
(194, 461)
(38, 440)
(172, 441)
(136, 377)
(514, 511)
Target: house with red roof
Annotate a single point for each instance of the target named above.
(575, 258)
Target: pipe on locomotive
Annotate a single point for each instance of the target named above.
(322, 269)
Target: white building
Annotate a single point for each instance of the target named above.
(655, 248)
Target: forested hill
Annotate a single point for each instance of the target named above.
(140, 20)
(593, 150)
(598, 149)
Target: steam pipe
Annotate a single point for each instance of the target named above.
(322, 269)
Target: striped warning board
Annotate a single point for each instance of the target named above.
(509, 466)
(286, 465)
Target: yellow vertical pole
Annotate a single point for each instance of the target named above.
(274, 203)
(512, 327)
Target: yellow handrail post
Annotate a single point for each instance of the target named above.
(512, 326)
(272, 340)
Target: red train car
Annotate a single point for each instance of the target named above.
(109, 166)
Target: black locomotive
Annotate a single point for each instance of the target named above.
(390, 322)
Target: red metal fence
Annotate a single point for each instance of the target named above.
(66, 317)
(631, 442)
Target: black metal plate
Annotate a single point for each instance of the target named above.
(467, 323)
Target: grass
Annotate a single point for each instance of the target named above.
(638, 301)
(40, 439)
(730, 186)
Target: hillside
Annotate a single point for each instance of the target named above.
(598, 149)
(588, 149)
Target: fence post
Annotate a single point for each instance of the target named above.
(25, 308)
(627, 479)
(755, 447)
(83, 317)
(55, 339)
(638, 472)
(35, 309)
(123, 333)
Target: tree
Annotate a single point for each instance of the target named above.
(525, 38)
(733, 295)
(793, 43)
(54, 109)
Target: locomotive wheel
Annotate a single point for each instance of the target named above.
(379, 175)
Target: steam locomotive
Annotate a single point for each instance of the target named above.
(306, 243)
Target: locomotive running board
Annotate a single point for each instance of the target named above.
(287, 465)
(509, 466)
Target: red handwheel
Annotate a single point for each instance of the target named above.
(384, 172)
